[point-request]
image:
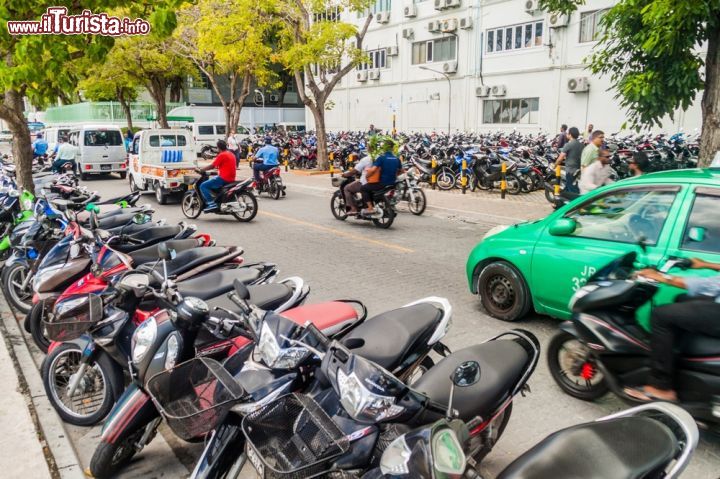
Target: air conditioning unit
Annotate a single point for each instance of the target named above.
(453, 3)
(531, 6)
(449, 67)
(557, 20)
(374, 74)
(578, 84)
(361, 76)
(483, 90)
(410, 11)
(498, 90)
(274, 98)
(408, 33)
(449, 25)
(392, 51)
(466, 23)
(382, 17)
(434, 26)
(440, 4)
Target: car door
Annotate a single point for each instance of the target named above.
(607, 225)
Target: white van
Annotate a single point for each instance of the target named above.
(52, 134)
(159, 159)
(291, 127)
(206, 135)
(100, 149)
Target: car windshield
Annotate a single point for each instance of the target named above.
(103, 138)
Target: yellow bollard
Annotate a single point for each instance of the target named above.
(249, 154)
(332, 164)
(558, 172)
(286, 164)
(463, 176)
(433, 177)
(503, 182)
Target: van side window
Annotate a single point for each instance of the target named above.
(220, 129)
(135, 146)
(181, 141)
(205, 130)
(154, 140)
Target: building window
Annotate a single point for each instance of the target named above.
(516, 37)
(590, 25)
(440, 50)
(376, 59)
(513, 111)
(378, 6)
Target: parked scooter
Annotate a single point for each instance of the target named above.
(235, 199)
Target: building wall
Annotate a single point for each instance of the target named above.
(419, 98)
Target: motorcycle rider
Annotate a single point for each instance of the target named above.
(697, 312)
(225, 164)
(64, 153)
(40, 146)
(351, 189)
(383, 172)
(266, 158)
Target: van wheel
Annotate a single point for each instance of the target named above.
(160, 194)
(134, 188)
(123, 175)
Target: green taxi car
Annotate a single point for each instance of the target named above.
(541, 264)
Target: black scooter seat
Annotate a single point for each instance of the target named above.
(151, 235)
(389, 337)
(264, 296)
(623, 448)
(502, 364)
(149, 254)
(698, 345)
(216, 283)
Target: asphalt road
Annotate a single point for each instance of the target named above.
(418, 257)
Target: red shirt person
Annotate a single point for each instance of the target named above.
(225, 164)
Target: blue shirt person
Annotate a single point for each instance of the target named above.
(389, 166)
(40, 146)
(266, 158)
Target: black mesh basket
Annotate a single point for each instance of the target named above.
(292, 437)
(195, 396)
(75, 322)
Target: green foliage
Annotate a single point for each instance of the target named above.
(379, 144)
(107, 81)
(561, 6)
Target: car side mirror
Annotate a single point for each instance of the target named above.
(697, 234)
(562, 227)
(467, 374)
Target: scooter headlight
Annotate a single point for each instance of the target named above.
(276, 357)
(173, 351)
(143, 338)
(362, 404)
(396, 457)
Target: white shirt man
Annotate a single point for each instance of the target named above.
(354, 187)
(597, 174)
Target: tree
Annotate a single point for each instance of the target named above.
(319, 49)
(107, 82)
(651, 49)
(237, 48)
(41, 68)
(153, 62)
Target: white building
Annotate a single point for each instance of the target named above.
(509, 64)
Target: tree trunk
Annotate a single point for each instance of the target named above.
(710, 139)
(125, 105)
(12, 113)
(157, 88)
(323, 161)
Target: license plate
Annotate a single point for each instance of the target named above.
(105, 167)
(191, 187)
(255, 461)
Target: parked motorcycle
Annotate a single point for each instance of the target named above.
(384, 213)
(235, 199)
(407, 189)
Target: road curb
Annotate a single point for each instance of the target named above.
(60, 455)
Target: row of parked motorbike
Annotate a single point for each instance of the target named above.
(145, 322)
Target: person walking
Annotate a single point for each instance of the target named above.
(588, 131)
(562, 137)
(233, 146)
(596, 174)
(570, 155)
(639, 164)
(590, 152)
(128, 140)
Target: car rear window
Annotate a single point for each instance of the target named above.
(103, 138)
(167, 140)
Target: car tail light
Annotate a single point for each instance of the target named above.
(123, 166)
(173, 184)
(88, 167)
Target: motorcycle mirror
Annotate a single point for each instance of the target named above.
(141, 219)
(138, 283)
(74, 250)
(467, 374)
(697, 234)
(165, 253)
(241, 290)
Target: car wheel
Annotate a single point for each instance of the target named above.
(503, 291)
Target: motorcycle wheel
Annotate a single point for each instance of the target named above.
(526, 183)
(275, 188)
(191, 205)
(513, 184)
(387, 218)
(337, 206)
(37, 328)
(574, 369)
(481, 445)
(109, 458)
(85, 408)
(445, 179)
(251, 206)
(417, 202)
(13, 277)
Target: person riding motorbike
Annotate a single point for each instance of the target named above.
(351, 189)
(64, 153)
(225, 164)
(266, 158)
(40, 146)
(383, 172)
(696, 312)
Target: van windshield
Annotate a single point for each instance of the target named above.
(103, 137)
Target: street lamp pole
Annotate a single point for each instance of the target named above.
(263, 107)
(447, 77)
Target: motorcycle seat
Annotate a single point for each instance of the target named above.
(378, 195)
(149, 254)
(154, 234)
(229, 186)
(502, 363)
(264, 296)
(215, 283)
(389, 337)
(189, 259)
(115, 221)
(698, 345)
(623, 448)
